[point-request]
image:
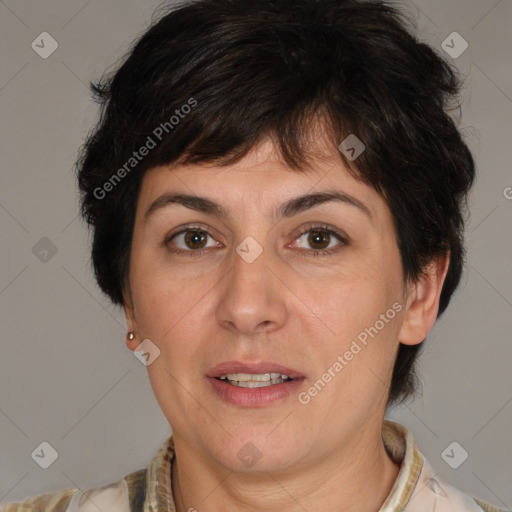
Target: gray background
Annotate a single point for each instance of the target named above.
(66, 375)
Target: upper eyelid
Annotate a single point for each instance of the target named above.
(326, 228)
(191, 227)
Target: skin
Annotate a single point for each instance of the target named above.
(287, 306)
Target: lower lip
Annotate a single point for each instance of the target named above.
(254, 397)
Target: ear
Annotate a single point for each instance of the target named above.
(422, 304)
(131, 322)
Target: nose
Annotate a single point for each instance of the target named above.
(253, 298)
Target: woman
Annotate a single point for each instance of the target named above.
(275, 191)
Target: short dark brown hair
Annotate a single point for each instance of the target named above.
(247, 71)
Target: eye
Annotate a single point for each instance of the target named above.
(191, 241)
(322, 240)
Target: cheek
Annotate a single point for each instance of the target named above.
(348, 301)
(171, 314)
(166, 300)
(359, 314)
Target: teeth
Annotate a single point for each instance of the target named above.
(255, 384)
(250, 377)
(251, 380)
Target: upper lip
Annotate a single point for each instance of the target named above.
(252, 368)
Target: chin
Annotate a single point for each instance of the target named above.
(255, 453)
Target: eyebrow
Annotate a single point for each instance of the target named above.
(291, 207)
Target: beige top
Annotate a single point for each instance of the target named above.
(416, 489)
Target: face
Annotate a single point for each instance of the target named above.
(312, 290)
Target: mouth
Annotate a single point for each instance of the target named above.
(263, 372)
(251, 385)
(259, 380)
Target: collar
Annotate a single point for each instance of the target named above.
(402, 449)
(397, 439)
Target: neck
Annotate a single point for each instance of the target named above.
(360, 483)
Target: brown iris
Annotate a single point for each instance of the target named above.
(315, 237)
(195, 237)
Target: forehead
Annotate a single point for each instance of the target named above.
(262, 162)
(260, 182)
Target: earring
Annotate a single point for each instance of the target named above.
(131, 336)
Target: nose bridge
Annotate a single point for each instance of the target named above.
(250, 264)
(250, 298)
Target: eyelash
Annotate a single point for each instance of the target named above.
(310, 252)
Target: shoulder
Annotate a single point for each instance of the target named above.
(486, 507)
(125, 495)
(432, 493)
(57, 501)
